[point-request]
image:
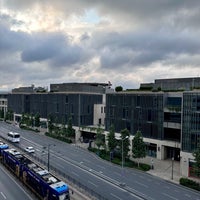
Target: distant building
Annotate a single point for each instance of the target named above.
(29, 89)
(101, 88)
(184, 84)
(3, 103)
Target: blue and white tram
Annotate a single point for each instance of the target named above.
(3, 146)
(39, 180)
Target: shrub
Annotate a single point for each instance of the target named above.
(118, 160)
(189, 183)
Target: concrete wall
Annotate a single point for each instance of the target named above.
(184, 163)
(99, 113)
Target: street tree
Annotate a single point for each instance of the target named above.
(2, 113)
(37, 120)
(70, 131)
(126, 143)
(196, 155)
(50, 123)
(100, 138)
(112, 142)
(63, 128)
(138, 147)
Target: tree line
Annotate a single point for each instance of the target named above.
(121, 145)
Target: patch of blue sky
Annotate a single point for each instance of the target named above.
(91, 17)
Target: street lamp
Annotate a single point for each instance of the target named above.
(48, 160)
(122, 139)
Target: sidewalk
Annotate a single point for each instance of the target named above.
(163, 169)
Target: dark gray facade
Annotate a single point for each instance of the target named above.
(61, 106)
(80, 87)
(136, 111)
(19, 103)
(178, 84)
(191, 121)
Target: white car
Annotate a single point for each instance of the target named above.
(29, 149)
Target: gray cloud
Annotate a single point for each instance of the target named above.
(55, 48)
(143, 48)
(140, 34)
(43, 46)
(140, 12)
(11, 41)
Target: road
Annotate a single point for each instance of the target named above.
(10, 189)
(99, 175)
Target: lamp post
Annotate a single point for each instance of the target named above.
(48, 155)
(122, 139)
(123, 150)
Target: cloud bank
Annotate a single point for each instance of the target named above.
(125, 42)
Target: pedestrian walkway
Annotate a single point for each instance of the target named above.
(164, 168)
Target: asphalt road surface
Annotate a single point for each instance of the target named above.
(10, 189)
(105, 178)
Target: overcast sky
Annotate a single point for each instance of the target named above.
(126, 42)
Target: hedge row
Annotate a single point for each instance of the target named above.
(117, 160)
(190, 183)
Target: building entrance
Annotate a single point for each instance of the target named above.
(173, 152)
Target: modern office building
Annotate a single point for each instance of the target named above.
(156, 114)
(166, 112)
(63, 101)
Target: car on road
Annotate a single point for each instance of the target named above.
(29, 149)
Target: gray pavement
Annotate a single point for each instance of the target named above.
(163, 169)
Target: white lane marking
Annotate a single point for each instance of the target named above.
(101, 167)
(4, 196)
(117, 173)
(61, 166)
(86, 160)
(115, 196)
(75, 173)
(93, 183)
(187, 195)
(141, 184)
(169, 196)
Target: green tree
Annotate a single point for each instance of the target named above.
(31, 120)
(112, 142)
(196, 155)
(9, 115)
(50, 123)
(70, 131)
(2, 113)
(63, 128)
(125, 134)
(22, 121)
(37, 120)
(118, 89)
(100, 138)
(28, 119)
(138, 147)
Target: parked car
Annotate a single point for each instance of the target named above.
(29, 149)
